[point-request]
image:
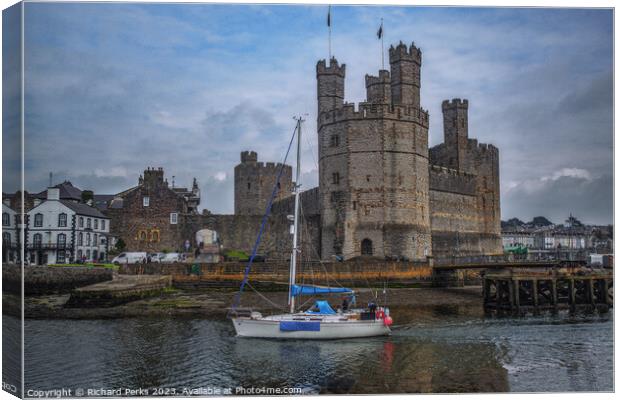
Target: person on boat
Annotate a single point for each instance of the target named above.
(345, 304)
(372, 307)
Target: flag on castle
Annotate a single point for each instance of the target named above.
(380, 31)
(329, 16)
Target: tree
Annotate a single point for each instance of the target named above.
(87, 195)
(540, 221)
(120, 245)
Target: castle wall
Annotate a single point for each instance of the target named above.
(239, 232)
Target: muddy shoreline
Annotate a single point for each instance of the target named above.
(214, 303)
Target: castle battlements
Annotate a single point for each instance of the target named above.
(374, 111)
(458, 103)
(484, 148)
(248, 156)
(383, 78)
(402, 53)
(332, 69)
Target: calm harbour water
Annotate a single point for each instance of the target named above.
(440, 350)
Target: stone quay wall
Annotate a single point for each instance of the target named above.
(45, 280)
(357, 272)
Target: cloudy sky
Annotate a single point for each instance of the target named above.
(114, 88)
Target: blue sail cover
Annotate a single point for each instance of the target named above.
(297, 290)
(322, 307)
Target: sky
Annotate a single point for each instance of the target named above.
(111, 89)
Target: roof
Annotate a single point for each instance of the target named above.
(101, 201)
(67, 192)
(83, 209)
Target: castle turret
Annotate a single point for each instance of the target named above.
(378, 88)
(249, 156)
(254, 182)
(455, 129)
(405, 65)
(330, 85)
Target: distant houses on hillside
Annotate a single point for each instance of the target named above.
(544, 239)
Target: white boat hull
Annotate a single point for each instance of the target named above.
(329, 329)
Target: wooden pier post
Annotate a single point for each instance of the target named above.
(591, 291)
(516, 292)
(554, 293)
(535, 292)
(571, 294)
(511, 294)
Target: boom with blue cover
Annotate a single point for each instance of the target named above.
(297, 290)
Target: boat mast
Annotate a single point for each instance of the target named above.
(296, 218)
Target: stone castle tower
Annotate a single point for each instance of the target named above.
(479, 163)
(254, 182)
(373, 162)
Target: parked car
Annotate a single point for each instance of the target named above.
(130, 258)
(172, 257)
(155, 257)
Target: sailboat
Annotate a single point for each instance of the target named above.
(320, 321)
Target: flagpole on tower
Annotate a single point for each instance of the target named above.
(329, 29)
(380, 34)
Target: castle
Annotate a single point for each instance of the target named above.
(382, 191)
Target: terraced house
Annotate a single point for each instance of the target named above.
(59, 231)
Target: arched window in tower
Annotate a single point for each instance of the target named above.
(367, 247)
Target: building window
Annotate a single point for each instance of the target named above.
(95, 255)
(355, 205)
(6, 239)
(80, 239)
(367, 247)
(336, 178)
(60, 256)
(88, 239)
(38, 220)
(249, 185)
(334, 141)
(95, 242)
(88, 223)
(88, 254)
(367, 178)
(81, 222)
(103, 224)
(62, 220)
(174, 218)
(146, 201)
(96, 224)
(36, 239)
(6, 220)
(62, 240)
(79, 254)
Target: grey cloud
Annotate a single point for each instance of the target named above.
(591, 200)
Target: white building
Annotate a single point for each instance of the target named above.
(513, 239)
(10, 235)
(60, 231)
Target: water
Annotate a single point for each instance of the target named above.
(440, 350)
